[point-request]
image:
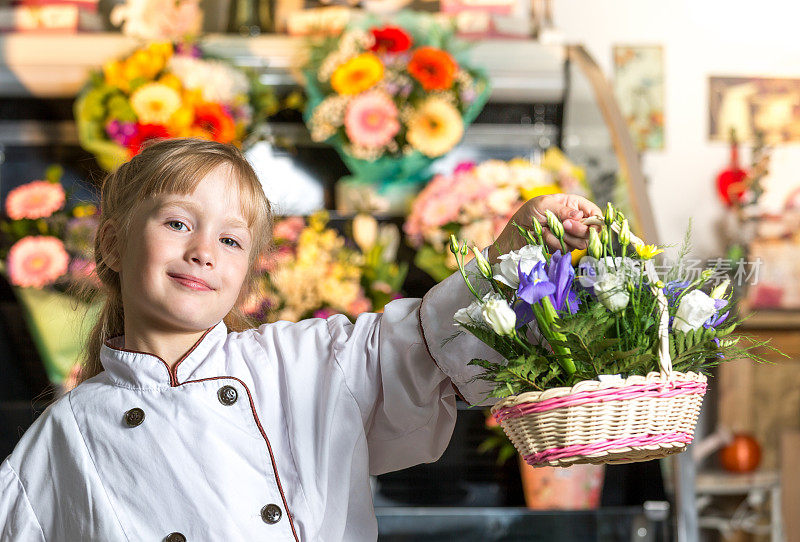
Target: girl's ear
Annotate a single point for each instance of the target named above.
(108, 243)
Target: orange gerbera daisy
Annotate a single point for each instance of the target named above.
(213, 120)
(433, 68)
(357, 74)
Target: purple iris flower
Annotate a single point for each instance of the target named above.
(524, 312)
(718, 318)
(535, 285)
(561, 274)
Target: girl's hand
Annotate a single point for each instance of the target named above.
(569, 209)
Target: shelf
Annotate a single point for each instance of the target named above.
(58, 65)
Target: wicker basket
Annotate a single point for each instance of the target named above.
(636, 419)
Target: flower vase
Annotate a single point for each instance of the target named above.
(59, 325)
(555, 488)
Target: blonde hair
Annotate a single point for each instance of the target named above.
(172, 166)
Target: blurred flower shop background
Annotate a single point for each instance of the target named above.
(379, 128)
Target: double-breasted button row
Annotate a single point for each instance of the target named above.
(271, 514)
(175, 537)
(227, 395)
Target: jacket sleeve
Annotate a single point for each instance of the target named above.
(402, 375)
(18, 523)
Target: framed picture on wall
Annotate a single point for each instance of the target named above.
(639, 88)
(753, 104)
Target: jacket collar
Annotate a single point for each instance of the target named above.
(142, 370)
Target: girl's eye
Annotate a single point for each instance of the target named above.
(176, 225)
(234, 241)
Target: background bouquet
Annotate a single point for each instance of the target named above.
(606, 365)
(162, 91)
(312, 272)
(476, 202)
(46, 252)
(391, 98)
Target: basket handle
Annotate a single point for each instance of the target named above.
(664, 359)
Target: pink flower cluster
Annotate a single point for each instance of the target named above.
(462, 198)
(36, 261)
(37, 199)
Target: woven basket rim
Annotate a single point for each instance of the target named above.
(594, 385)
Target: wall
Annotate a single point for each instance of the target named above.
(700, 38)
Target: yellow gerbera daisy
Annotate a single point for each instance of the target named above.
(435, 128)
(648, 252)
(155, 103)
(357, 74)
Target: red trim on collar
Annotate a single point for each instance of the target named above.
(173, 373)
(263, 434)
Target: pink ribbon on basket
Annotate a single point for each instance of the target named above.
(656, 389)
(604, 445)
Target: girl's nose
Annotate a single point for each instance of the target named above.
(201, 253)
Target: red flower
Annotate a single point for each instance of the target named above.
(433, 68)
(213, 121)
(390, 39)
(144, 133)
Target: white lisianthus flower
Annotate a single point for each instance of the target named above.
(694, 308)
(611, 291)
(469, 316)
(627, 267)
(525, 258)
(500, 317)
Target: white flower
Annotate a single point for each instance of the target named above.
(611, 291)
(525, 258)
(158, 19)
(501, 201)
(627, 267)
(218, 82)
(694, 308)
(469, 316)
(500, 317)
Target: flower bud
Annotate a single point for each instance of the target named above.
(595, 246)
(660, 284)
(554, 224)
(453, 244)
(604, 236)
(610, 214)
(719, 291)
(483, 264)
(620, 217)
(624, 233)
(631, 288)
(537, 228)
(706, 274)
(365, 231)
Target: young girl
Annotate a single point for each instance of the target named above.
(188, 425)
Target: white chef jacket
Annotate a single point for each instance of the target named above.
(318, 406)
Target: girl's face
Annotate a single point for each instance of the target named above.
(186, 258)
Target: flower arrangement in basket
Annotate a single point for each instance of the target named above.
(606, 366)
(392, 98)
(475, 202)
(314, 272)
(163, 91)
(46, 247)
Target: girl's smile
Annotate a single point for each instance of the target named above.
(190, 281)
